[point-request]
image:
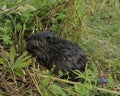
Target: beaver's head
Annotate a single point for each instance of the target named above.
(37, 44)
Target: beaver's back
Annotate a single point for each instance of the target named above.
(65, 55)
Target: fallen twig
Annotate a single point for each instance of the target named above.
(109, 91)
(73, 83)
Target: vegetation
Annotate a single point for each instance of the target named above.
(93, 24)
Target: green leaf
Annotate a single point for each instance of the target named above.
(20, 65)
(6, 39)
(46, 81)
(23, 63)
(12, 55)
(1, 94)
(20, 73)
(1, 61)
(20, 60)
(25, 17)
(18, 27)
(58, 90)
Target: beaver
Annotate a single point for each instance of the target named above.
(64, 55)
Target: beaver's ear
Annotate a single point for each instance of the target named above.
(49, 34)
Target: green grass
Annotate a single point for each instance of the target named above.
(93, 24)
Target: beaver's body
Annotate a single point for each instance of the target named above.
(50, 50)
